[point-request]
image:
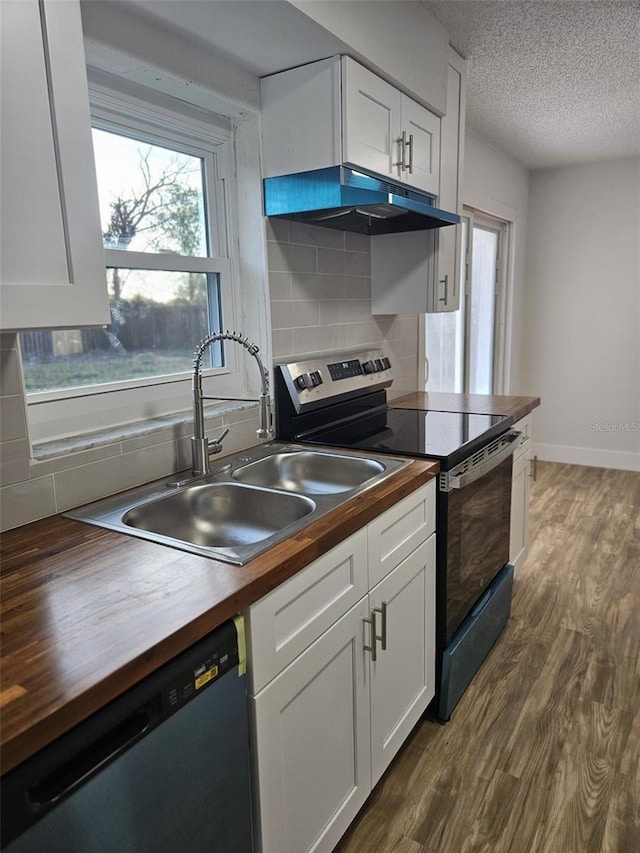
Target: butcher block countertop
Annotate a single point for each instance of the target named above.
(87, 613)
(480, 404)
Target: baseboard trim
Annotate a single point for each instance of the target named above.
(619, 459)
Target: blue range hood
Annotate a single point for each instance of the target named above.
(339, 197)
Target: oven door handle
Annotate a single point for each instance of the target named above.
(468, 472)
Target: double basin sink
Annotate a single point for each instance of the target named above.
(249, 502)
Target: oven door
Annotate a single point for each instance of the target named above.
(474, 507)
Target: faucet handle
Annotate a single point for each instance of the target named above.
(215, 444)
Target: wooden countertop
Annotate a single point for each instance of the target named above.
(483, 404)
(87, 613)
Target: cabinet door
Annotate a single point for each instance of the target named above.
(446, 293)
(312, 731)
(422, 158)
(52, 269)
(370, 121)
(403, 674)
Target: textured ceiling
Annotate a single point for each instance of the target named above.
(551, 83)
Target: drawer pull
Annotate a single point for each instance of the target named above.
(383, 635)
(374, 637)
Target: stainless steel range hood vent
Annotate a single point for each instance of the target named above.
(341, 198)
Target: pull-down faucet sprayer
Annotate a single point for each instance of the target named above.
(201, 446)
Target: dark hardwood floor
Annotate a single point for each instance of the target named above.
(542, 754)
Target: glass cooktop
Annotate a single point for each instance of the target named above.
(447, 436)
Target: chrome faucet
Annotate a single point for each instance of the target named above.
(201, 446)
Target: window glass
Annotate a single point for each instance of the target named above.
(151, 197)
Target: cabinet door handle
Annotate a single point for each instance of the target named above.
(372, 647)
(534, 468)
(410, 147)
(402, 144)
(383, 636)
(445, 282)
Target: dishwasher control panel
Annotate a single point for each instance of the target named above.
(204, 664)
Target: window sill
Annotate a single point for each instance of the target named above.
(179, 424)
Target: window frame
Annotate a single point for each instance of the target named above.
(67, 412)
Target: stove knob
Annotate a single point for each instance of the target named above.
(316, 378)
(303, 381)
(386, 364)
(369, 366)
(379, 365)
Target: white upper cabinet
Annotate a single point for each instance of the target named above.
(386, 132)
(419, 272)
(445, 296)
(336, 112)
(52, 271)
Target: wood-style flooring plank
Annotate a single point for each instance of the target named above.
(542, 754)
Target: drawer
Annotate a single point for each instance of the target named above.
(398, 531)
(287, 620)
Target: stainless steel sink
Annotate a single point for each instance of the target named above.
(310, 471)
(220, 515)
(250, 502)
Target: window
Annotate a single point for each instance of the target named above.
(165, 210)
(465, 347)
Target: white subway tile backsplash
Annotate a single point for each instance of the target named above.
(316, 286)
(305, 313)
(288, 257)
(312, 235)
(27, 501)
(330, 311)
(282, 315)
(358, 263)
(313, 339)
(332, 261)
(358, 287)
(282, 343)
(86, 483)
(279, 285)
(14, 461)
(364, 334)
(66, 461)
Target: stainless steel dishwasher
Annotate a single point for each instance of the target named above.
(164, 768)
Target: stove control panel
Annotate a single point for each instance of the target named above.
(321, 381)
(308, 380)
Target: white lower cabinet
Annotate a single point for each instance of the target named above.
(519, 531)
(403, 674)
(327, 724)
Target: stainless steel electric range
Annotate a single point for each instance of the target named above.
(341, 401)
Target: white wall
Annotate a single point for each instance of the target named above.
(496, 183)
(397, 38)
(582, 348)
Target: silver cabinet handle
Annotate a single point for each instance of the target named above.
(534, 468)
(410, 147)
(383, 636)
(402, 142)
(445, 281)
(374, 637)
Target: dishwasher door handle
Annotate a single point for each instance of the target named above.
(92, 758)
